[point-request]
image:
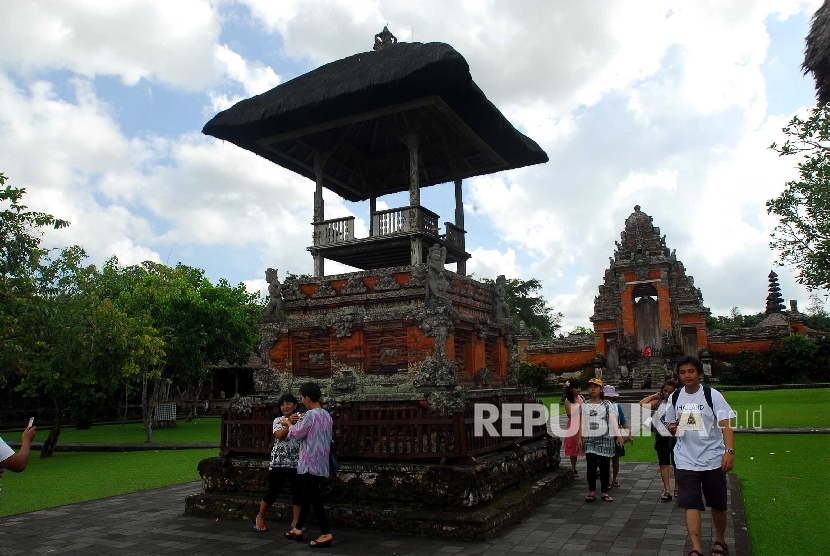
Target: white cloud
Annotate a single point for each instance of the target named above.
(133, 39)
(255, 77)
(490, 263)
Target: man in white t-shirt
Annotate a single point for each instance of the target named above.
(16, 462)
(699, 417)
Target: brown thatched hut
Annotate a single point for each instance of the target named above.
(817, 52)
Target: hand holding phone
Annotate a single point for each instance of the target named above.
(31, 422)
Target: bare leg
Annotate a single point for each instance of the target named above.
(296, 516)
(615, 468)
(664, 474)
(573, 462)
(693, 528)
(719, 519)
(260, 518)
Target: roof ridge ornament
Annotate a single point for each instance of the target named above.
(384, 38)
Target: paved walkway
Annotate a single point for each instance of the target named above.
(151, 522)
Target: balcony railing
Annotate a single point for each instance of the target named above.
(454, 237)
(336, 230)
(404, 219)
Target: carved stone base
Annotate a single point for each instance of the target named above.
(471, 502)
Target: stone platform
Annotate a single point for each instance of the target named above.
(472, 501)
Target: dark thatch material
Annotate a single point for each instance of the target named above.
(817, 52)
(287, 123)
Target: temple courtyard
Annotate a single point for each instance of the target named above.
(152, 522)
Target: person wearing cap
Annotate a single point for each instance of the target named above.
(611, 395)
(597, 433)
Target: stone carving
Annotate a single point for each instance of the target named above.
(666, 339)
(386, 282)
(291, 291)
(664, 278)
(446, 401)
(500, 306)
(344, 326)
(436, 373)
(437, 324)
(417, 277)
(316, 359)
(355, 285)
(324, 290)
(273, 312)
(483, 377)
(437, 285)
(389, 354)
(242, 404)
(466, 287)
(384, 38)
(344, 381)
(266, 381)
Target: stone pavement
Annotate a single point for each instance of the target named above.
(151, 522)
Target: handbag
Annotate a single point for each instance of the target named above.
(334, 461)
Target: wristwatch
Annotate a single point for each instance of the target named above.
(730, 451)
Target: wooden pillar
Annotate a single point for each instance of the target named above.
(417, 250)
(319, 211)
(373, 207)
(411, 140)
(459, 205)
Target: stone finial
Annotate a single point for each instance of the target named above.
(384, 38)
(775, 303)
(793, 306)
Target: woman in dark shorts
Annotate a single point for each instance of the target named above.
(663, 445)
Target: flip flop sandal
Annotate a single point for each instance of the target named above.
(294, 536)
(257, 529)
(665, 497)
(320, 544)
(694, 553)
(616, 484)
(576, 474)
(590, 498)
(606, 498)
(720, 548)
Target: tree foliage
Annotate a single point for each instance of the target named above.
(803, 209)
(735, 320)
(528, 306)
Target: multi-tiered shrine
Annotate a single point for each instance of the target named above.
(403, 348)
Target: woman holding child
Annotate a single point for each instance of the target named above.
(313, 431)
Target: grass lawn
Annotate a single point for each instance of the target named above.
(782, 408)
(198, 430)
(71, 477)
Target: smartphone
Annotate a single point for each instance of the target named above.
(31, 422)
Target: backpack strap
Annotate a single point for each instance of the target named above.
(707, 393)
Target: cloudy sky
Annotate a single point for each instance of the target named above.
(670, 105)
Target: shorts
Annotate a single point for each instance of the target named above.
(693, 486)
(664, 446)
(619, 450)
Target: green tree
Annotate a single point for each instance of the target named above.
(86, 347)
(803, 209)
(736, 319)
(817, 316)
(200, 324)
(529, 307)
(21, 257)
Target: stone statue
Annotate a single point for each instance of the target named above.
(437, 285)
(500, 306)
(273, 312)
(384, 38)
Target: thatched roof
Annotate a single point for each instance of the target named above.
(358, 108)
(817, 52)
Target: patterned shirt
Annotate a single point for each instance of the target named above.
(598, 429)
(314, 433)
(5, 453)
(286, 452)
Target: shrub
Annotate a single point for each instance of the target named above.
(532, 375)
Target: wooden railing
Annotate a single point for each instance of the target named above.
(404, 219)
(404, 431)
(454, 236)
(336, 230)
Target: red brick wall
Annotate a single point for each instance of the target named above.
(562, 362)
